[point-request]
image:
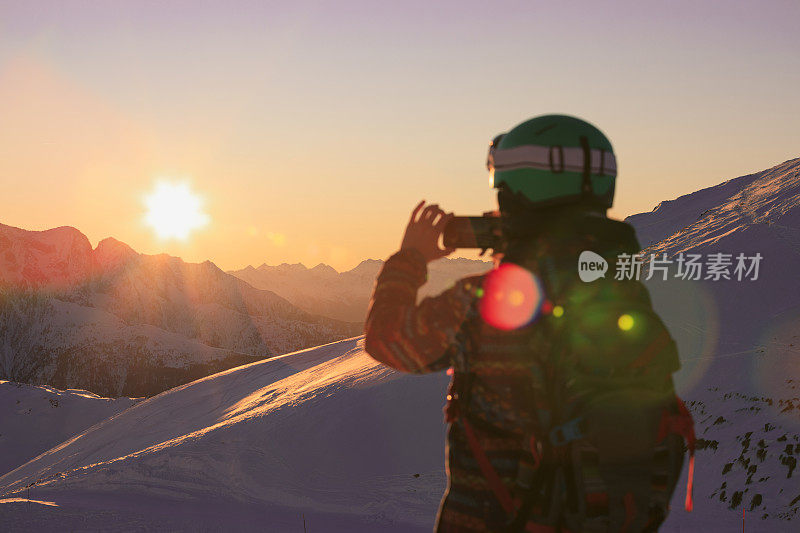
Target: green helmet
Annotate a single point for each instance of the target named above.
(554, 160)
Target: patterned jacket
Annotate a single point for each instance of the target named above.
(509, 369)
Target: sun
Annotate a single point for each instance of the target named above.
(174, 210)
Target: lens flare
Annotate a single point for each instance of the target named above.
(512, 297)
(690, 311)
(625, 322)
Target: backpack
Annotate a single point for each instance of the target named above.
(604, 439)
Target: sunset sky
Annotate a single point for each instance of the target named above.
(310, 129)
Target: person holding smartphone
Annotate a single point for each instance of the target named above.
(562, 412)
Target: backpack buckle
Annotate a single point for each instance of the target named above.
(566, 432)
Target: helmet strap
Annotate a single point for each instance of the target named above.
(559, 168)
(586, 185)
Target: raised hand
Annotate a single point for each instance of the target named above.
(424, 229)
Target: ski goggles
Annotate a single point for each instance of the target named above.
(556, 159)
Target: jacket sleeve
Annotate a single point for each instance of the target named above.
(409, 337)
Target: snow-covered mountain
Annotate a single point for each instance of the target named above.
(754, 214)
(739, 343)
(324, 291)
(118, 322)
(327, 435)
(331, 436)
(54, 258)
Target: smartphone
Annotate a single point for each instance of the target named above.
(482, 232)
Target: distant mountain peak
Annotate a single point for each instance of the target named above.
(367, 264)
(53, 257)
(292, 267)
(60, 237)
(111, 253)
(322, 268)
(113, 244)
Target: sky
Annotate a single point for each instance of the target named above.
(309, 130)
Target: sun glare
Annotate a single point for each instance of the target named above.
(174, 210)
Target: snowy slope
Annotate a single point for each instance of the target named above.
(753, 214)
(327, 433)
(739, 343)
(34, 419)
(345, 296)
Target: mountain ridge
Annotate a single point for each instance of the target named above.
(138, 313)
(345, 295)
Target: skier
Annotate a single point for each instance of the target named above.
(561, 409)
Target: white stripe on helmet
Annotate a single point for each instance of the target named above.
(540, 157)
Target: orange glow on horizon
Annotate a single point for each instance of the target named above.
(96, 101)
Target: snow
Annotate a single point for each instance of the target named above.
(739, 343)
(327, 432)
(34, 419)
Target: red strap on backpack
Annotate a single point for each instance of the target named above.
(683, 425)
(498, 487)
(510, 505)
(452, 413)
